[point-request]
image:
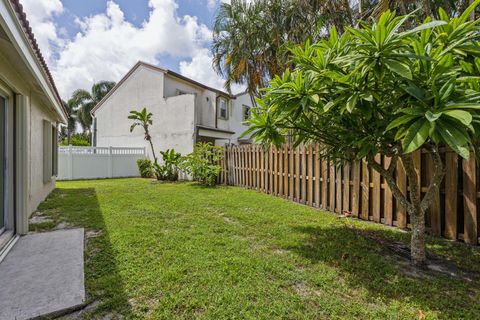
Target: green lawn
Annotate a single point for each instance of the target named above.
(180, 251)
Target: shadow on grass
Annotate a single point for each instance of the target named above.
(367, 264)
(104, 284)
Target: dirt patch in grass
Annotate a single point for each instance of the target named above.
(401, 253)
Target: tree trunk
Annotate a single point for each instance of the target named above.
(153, 151)
(417, 214)
(417, 242)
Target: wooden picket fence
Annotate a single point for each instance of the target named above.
(301, 175)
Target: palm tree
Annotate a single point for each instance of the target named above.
(237, 38)
(374, 8)
(72, 118)
(83, 102)
(143, 119)
(251, 39)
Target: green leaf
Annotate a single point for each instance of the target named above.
(432, 117)
(328, 106)
(455, 138)
(424, 26)
(463, 106)
(400, 121)
(463, 116)
(352, 102)
(466, 14)
(447, 89)
(416, 135)
(315, 98)
(399, 68)
(415, 92)
(414, 111)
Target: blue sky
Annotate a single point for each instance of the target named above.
(91, 40)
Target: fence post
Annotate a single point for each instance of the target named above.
(70, 162)
(110, 162)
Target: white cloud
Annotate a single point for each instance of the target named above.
(211, 4)
(40, 14)
(108, 45)
(200, 69)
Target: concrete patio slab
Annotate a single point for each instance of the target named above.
(43, 275)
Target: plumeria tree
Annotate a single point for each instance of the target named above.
(383, 88)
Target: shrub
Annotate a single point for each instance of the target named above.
(145, 167)
(168, 170)
(78, 139)
(202, 163)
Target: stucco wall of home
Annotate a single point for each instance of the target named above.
(173, 117)
(14, 76)
(235, 121)
(205, 100)
(38, 189)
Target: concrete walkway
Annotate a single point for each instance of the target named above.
(42, 275)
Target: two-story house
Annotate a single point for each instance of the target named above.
(184, 112)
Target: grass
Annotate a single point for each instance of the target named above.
(180, 251)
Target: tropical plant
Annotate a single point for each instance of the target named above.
(423, 9)
(143, 119)
(202, 163)
(168, 170)
(145, 167)
(72, 119)
(381, 90)
(78, 139)
(250, 38)
(83, 102)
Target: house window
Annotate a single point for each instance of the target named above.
(222, 108)
(246, 113)
(50, 151)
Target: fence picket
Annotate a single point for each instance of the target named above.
(324, 184)
(331, 204)
(402, 185)
(346, 188)
(317, 176)
(310, 176)
(356, 188)
(387, 196)
(376, 192)
(451, 195)
(365, 191)
(434, 210)
(470, 200)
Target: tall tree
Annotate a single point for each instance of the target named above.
(251, 38)
(83, 102)
(383, 89)
(143, 119)
(72, 118)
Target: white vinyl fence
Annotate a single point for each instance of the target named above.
(98, 162)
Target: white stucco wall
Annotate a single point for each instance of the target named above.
(235, 121)
(13, 77)
(38, 189)
(173, 117)
(205, 100)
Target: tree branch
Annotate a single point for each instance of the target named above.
(412, 183)
(397, 193)
(438, 175)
